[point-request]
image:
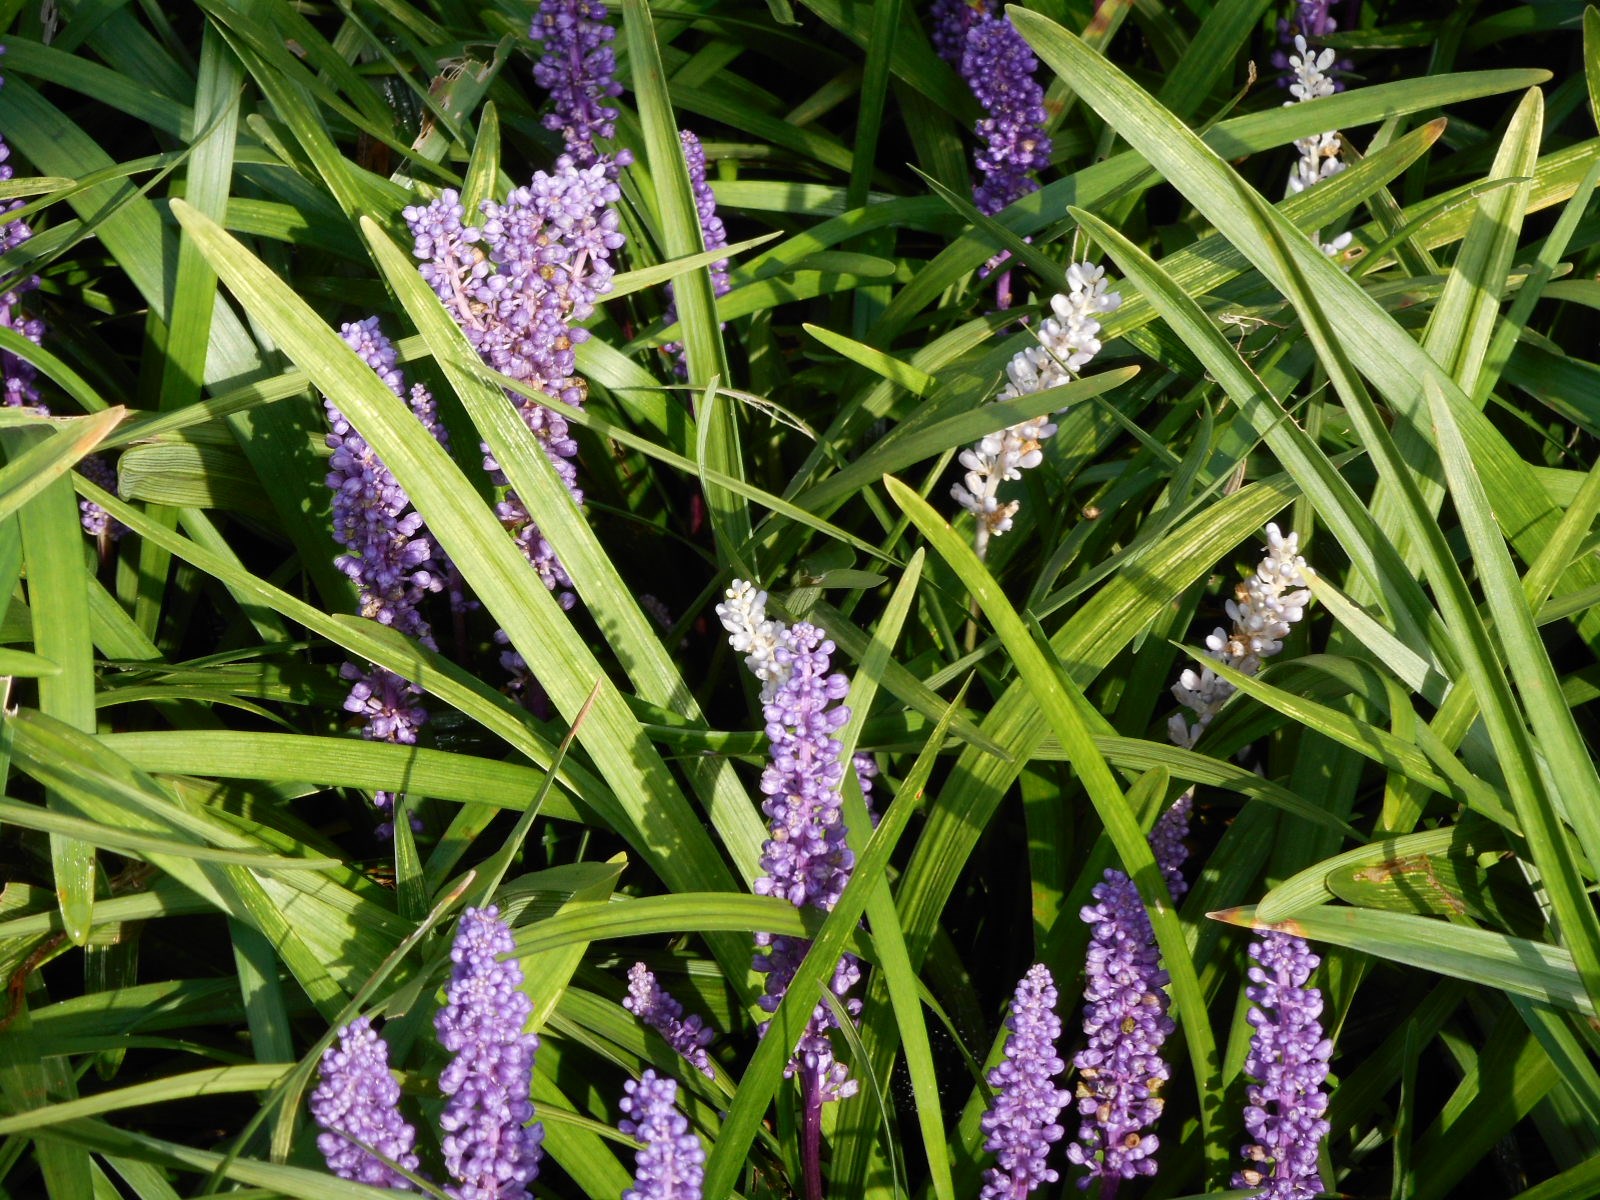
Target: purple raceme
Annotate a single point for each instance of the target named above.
(806, 860)
(656, 1007)
(999, 67)
(357, 1105)
(390, 557)
(1288, 1066)
(578, 69)
(1021, 1122)
(671, 1165)
(96, 521)
(490, 1149)
(866, 771)
(714, 236)
(519, 286)
(1125, 1023)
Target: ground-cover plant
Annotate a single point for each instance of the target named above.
(731, 598)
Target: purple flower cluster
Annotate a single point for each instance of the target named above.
(357, 1105)
(20, 378)
(519, 285)
(578, 69)
(999, 67)
(489, 1147)
(713, 233)
(806, 859)
(655, 1006)
(389, 555)
(1021, 1123)
(671, 1166)
(1288, 1063)
(1120, 1070)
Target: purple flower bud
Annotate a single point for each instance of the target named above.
(96, 521)
(490, 1149)
(357, 1104)
(1288, 1064)
(671, 1166)
(1021, 1122)
(950, 20)
(652, 1004)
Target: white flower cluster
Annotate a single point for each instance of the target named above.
(1319, 154)
(1068, 341)
(751, 632)
(1265, 607)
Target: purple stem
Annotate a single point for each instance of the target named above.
(811, 1136)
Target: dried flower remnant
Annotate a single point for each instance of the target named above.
(656, 1007)
(357, 1105)
(1288, 1064)
(1067, 342)
(490, 1149)
(714, 236)
(578, 69)
(1021, 1123)
(671, 1166)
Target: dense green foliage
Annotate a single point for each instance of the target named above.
(195, 898)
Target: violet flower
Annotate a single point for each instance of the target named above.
(490, 1149)
(671, 1165)
(519, 285)
(357, 1105)
(1021, 1122)
(999, 67)
(807, 860)
(390, 557)
(1120, 1070)
(652, 1004)
(713, 234)
(1288, 1063)
(578, 69)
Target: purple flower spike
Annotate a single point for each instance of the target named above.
(20, 377)
(96, 521)
(1166, 840)
(1314, 21)
(357, 1104)
(1021, 1123)
(806, 859)
(489, 1147)
(652, 1004)
(578, 69)
(999, 67)
(1120, 1071)
(713, 233)
(672, 1164)
(1288, 1063)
